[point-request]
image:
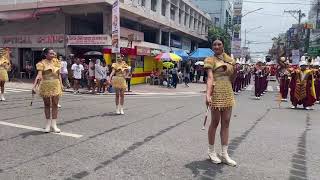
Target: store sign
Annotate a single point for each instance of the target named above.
(116, 27)
(88, 39)
(56, 40)
(142, 51)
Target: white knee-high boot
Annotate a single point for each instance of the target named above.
(213, 155)
(118, 109)
(225, 157)
(54, 126)
(121, 109)
(48, 125)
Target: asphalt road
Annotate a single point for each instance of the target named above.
(160, 137)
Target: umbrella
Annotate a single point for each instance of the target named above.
(201, 63)
(182, 53)
(168, 65)
(201, 53)
(168, 57)
(93, 53)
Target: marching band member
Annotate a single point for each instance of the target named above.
(302, 89)
(4, 68)
(283, 77)
(258, 74)
(316, 73)
(220, 99)
(50, 87)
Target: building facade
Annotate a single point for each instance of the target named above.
(314, 19)
(221, 12)
(147, 28)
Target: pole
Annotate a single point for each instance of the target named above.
(245, 37)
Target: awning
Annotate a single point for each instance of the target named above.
(201, 53)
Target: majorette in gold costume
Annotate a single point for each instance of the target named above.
(4, 64)
(223, 70)
(50, 84)
(118, 80)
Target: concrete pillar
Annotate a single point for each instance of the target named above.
(148, 5)
(169, 34)
(159, 37)
(168, 6)
(159, 6)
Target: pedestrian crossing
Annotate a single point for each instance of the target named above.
(269, 88)
(16, 90)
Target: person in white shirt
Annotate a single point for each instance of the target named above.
(91, 85)
(103, 75)
(64, 72)
(77, 69)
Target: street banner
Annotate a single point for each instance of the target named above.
(99, 39)
(236, 47)
(115, 27)
(295, 56)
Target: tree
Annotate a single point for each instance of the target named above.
(219, 33)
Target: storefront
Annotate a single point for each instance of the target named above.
(27, 49)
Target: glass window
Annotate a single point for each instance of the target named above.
(154, 5)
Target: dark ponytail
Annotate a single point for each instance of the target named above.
(45, 52)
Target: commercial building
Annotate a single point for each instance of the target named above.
(147, 28)
(221, 12)
(314, 20)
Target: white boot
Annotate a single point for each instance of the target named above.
(225, 157)
(2, 97)
(54, 126)
(121, 110)
(118, 110)
(48, 124)
(213, 155)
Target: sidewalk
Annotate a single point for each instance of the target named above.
(136, 89)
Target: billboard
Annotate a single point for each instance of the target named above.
(236, 47)
(115, 39)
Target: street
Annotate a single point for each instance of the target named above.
(159, 137)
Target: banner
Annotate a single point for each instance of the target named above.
(115, 27)
(295, 56)
(102, 40)
(30, 41)
(236, 47)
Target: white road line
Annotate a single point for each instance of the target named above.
(270, 88)
(278, 88)
(15, 89)
(38, 129)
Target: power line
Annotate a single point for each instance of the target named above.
(279, 3)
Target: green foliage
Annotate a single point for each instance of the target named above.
(219, 33)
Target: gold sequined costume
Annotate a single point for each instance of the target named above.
(223, 69)
(118, 80)
(4, 64)
(50, 85)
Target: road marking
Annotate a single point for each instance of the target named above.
(16, 90)
(270, 88)
(38, 129)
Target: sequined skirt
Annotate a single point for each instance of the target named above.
(50, 88)
(3, 75)
(119, 82)
(222, 96)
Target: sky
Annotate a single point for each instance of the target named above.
(272, 19)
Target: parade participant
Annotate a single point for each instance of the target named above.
(236, 83)
(118, 81)
(302, 89)
(4, 68)
(283, 77)
(220, 99)
(258, 79)
(50, 87)
(316, 74)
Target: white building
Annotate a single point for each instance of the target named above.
(27, 26)
(221, 12)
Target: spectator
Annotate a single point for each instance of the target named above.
(103, 81)
(77, 69)
(174, 72)
(91, 83)
(98, 74)
(128, 78)
(64, 72)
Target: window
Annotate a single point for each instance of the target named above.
(154, 5)
(143, 3)
(164, 8)
(180, 16)
(172, 13)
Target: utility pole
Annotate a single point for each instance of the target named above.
(293, 14)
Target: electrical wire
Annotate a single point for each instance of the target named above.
(279, 3)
